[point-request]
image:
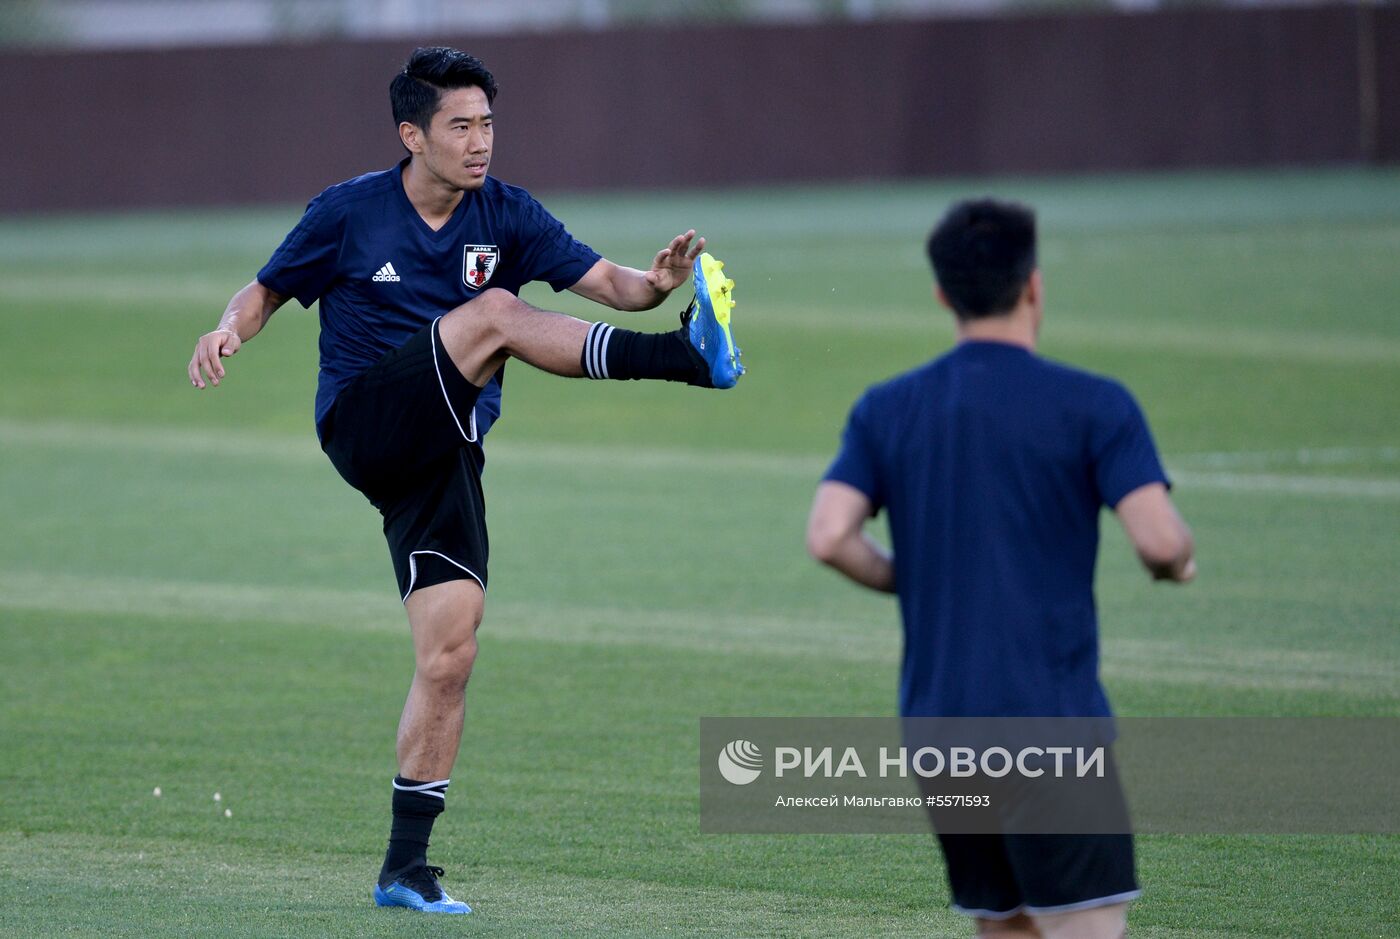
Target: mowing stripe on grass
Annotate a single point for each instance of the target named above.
(1164, 660)
(1231, 343)
(1273, 484)
(200, 445)
(1303, 456)
(175, 888)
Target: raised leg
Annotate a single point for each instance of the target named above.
(479, 336)
(497, 325)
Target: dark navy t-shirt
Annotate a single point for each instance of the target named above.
(382, 274)
(992, 464)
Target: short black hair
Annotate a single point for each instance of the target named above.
(983, 253)
(416, 91)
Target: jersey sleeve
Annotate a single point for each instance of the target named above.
(857, 464)
(305, 264)
(548, 252)
(1124, 455)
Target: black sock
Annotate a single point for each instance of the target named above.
(416, 806)
(624, 355)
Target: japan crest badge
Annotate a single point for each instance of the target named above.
(478, 264)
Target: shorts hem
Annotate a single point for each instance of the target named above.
(1049, 910)
(413, 570)
(987, 914)
(1084, 904)
(473, 437)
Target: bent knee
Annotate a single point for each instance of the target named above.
(478, 330)
(485, 308)
(495, 297)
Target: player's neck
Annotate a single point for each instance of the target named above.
(1017, 328)
(433, 199)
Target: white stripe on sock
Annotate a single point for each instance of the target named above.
(603, 354)
(424, 787)
(593, 345)
(603, 332)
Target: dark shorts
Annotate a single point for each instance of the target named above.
(404, 434)
(997, 875)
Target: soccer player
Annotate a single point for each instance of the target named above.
(417, 269)
(992, 464)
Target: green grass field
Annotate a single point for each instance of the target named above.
(190, 598)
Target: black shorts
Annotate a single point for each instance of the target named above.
(997, 875)
(404, 434)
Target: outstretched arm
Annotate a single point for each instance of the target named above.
(626, 288)
(836, 537)
(1161, 538)
(247, 313)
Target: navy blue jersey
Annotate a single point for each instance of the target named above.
(382, 274)
(992, 464)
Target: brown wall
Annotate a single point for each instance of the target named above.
(719, 105)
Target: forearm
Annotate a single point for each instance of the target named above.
(626, 288)
(244, 317)
(1158, 533)
(860, 558)
(249, 310)
(631, 291)
(1179, 567)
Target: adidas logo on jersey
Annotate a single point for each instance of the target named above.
(386, 274)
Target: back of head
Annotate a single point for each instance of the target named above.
(417, 89)
(983, 253)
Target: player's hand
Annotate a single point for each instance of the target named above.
(671, 266)
(208, 353)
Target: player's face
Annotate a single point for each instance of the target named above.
(457, 146)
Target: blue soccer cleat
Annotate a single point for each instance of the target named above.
(707, 322)
(417, 888)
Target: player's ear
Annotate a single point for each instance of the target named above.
(1034, 292)
(411, 137)
(942, 298)
(1035, 299)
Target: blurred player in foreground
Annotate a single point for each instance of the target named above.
(417, 269)
(992, 464)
